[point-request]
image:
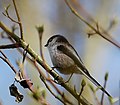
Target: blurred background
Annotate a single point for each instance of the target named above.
(98, 55)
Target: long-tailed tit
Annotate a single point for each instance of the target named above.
(66, 60)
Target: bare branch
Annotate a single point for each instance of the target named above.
(53, 84)
(103, 34)
(94, 93)
(8, 16)
(106, 78)
(43, 79)
(19, 20)
(16, 45)
(83, 83)
(25, 53)
(5, 59)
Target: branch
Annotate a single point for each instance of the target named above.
(8, 16)
(19, 20)
(44, 65)
(43, 80)
(53, 84)
(104, 33)
(106, 78)
(94, 93)
(16, 45)
(4, 58)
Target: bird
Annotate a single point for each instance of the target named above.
(66, 59)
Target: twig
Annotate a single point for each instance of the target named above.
(106, 78)
(19, 20)
(51, 82)
(23, 60)
(28, 83)
(8, 16)
(43, 79)
(3, 54)
(106, 37)
(25, 53)
(94, 93)
(61, 93)
(7, 61)
(83, 83)
(16, 45)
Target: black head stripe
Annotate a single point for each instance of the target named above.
(60, 38)
(50, 39)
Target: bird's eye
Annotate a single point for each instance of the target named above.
(50, 39)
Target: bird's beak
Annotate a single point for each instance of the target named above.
(46, 45)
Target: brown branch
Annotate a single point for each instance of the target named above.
(5, 59)
(6, 14)
(43, 80)
(19, 20)
(16, 45)
(104, 34)
(51, 82)
(83, 83)
(29, 83)
(25, 54)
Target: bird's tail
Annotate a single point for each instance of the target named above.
(80, 64)
(94, 81)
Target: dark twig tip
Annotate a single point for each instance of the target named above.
(6, 8)
(106, 76)
(83, 83)
(40, 29)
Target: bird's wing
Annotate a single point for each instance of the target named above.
(84, 71)
(76, 53)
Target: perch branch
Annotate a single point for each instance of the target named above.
(44, 65)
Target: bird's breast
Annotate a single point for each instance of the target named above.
(63, 63)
